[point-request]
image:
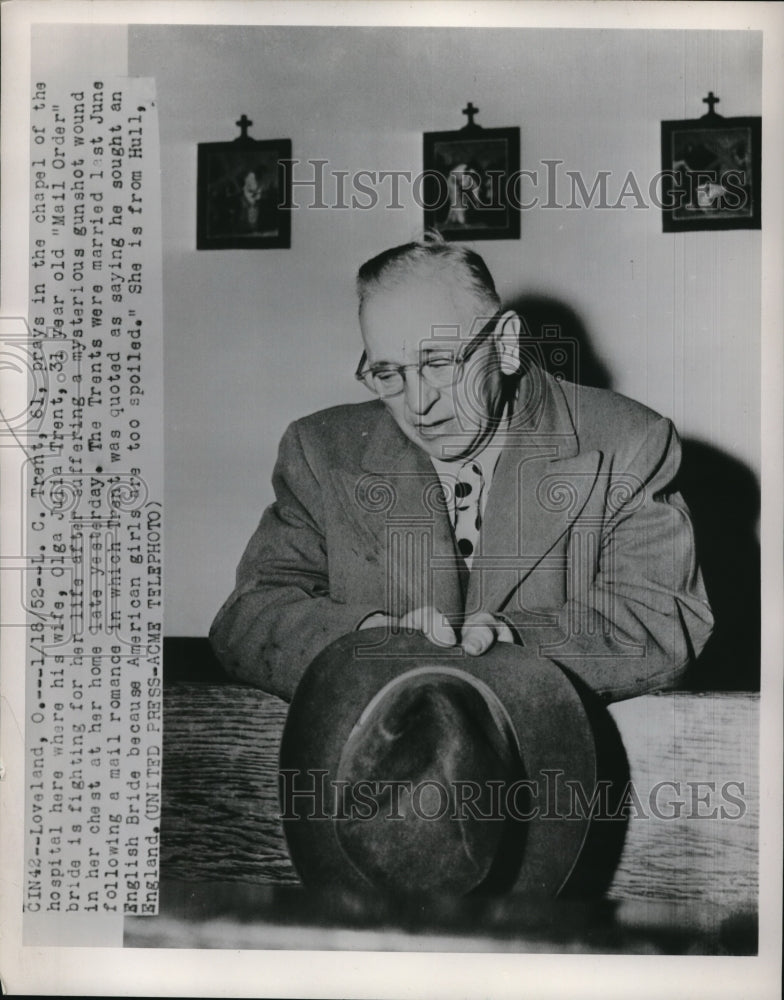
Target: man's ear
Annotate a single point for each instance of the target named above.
(507, 339)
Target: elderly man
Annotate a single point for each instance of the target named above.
(477, 499)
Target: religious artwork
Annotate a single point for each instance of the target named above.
(711, 175)
(471, 178)
(243, 194)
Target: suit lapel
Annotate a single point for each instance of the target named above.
(397, 506)
(540, 486)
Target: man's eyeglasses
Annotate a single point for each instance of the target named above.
(439, 368)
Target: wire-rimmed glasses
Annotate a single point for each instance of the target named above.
(438, 368)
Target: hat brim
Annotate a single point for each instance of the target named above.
(553, 730)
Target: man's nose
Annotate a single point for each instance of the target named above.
(419, 395)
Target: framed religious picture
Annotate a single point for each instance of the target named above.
(243, 195)
(711, 174)
(469, 182)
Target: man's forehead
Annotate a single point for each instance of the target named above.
(417, 310)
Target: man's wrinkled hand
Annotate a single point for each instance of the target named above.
(432, 623)
(481, 631)
(427, 620)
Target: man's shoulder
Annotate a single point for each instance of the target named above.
(345, 418)
(340, 432)
(605, 407)
(614, 424)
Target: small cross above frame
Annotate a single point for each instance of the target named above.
(710, 100)
(469, 110)
(244, 124)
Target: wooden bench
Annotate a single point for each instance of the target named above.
(220, 805)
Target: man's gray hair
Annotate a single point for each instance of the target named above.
(431, 256)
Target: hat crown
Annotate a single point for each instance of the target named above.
(423, 772)
(534, 707)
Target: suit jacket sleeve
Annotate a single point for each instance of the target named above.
(637, 614)
(281, 613)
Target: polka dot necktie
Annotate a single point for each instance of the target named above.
(468, 516)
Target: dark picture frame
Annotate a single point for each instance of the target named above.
(243, 195)
(470, 183)
(711, 173)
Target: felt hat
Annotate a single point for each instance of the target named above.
(413, 769)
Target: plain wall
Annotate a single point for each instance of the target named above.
(254, 339)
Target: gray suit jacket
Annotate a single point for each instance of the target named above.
(587, 550)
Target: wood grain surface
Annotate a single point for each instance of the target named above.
(707, 745)
(220, 809)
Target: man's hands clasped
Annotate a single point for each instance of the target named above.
(478, 633)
